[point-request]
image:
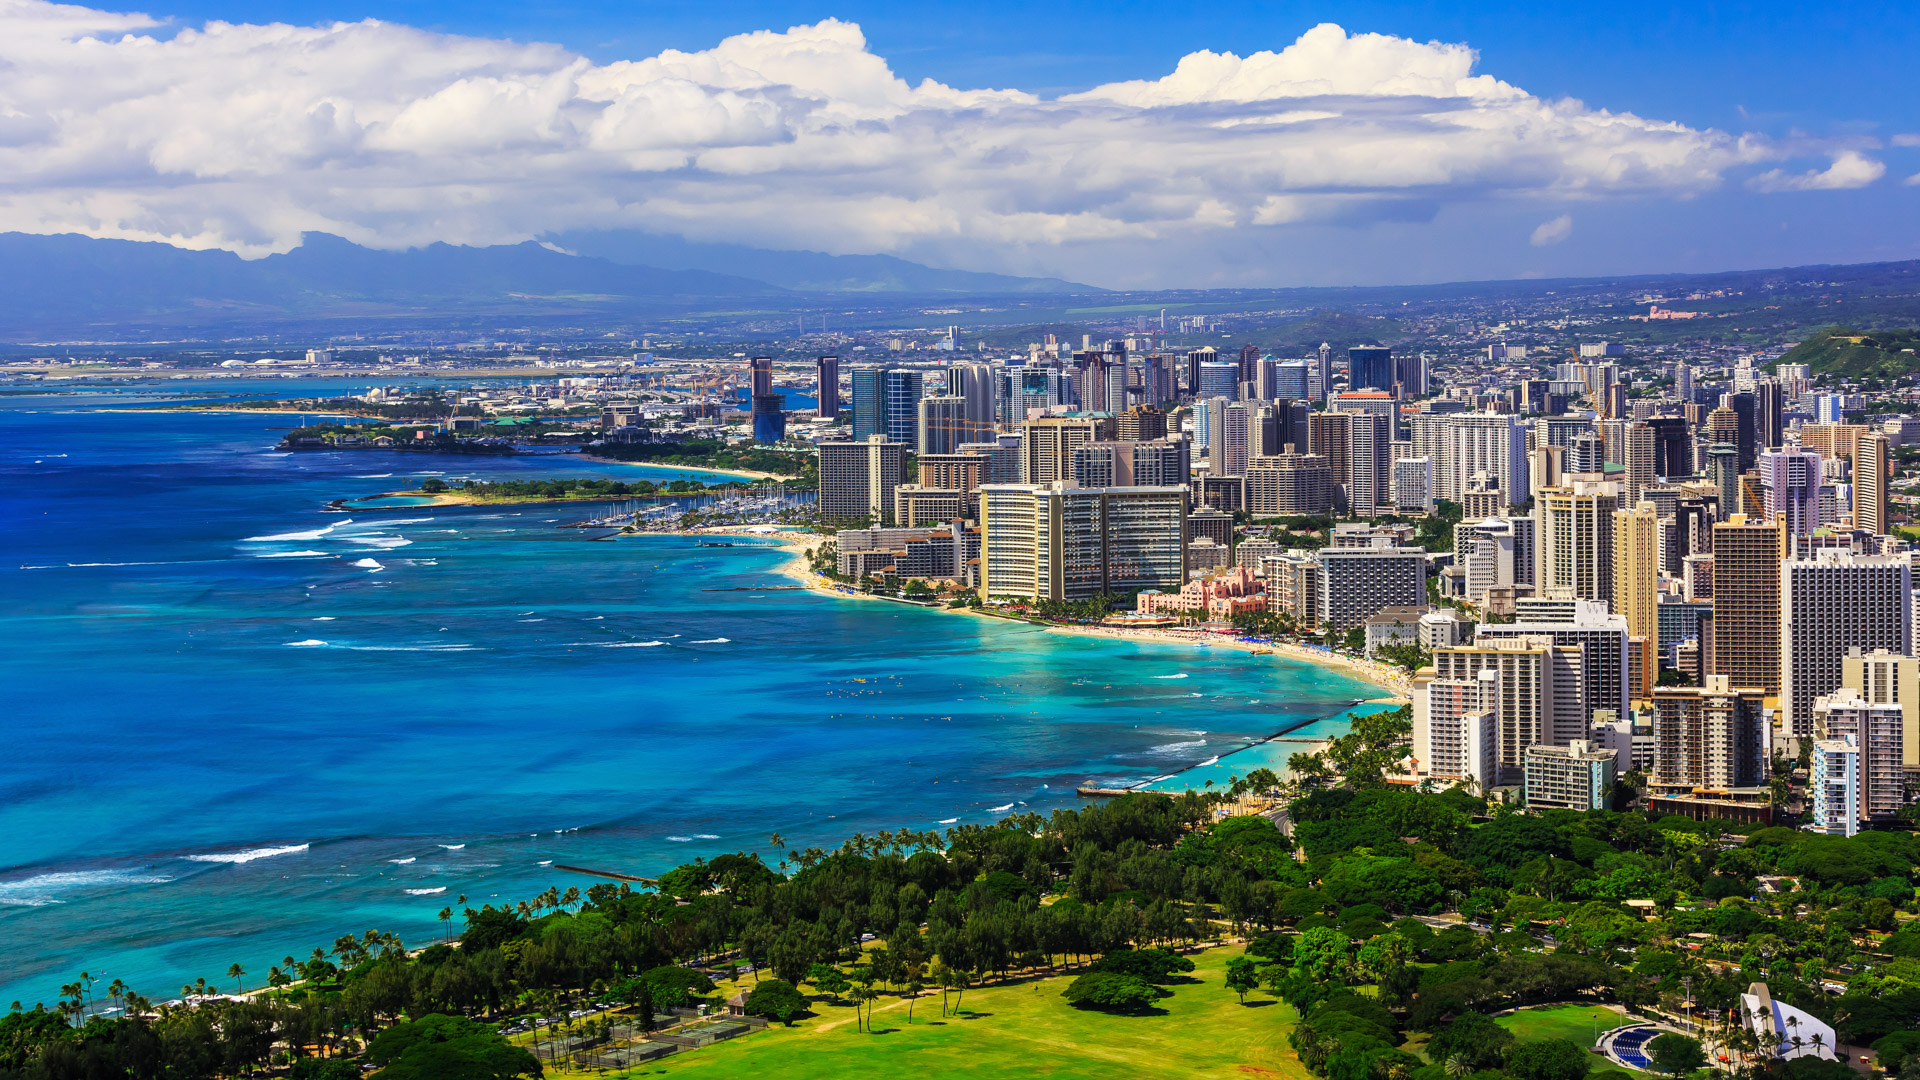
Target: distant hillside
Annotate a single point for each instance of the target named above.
(1337, 328)
(71, 284)
(1877, 354)
(802, 271)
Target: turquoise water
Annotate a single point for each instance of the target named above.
(239, 725)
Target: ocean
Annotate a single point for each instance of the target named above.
(239, 725)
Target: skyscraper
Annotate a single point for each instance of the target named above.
(1792, 479)
(1370, 367)
(1600, 644)
(1710, 736)
(1539, 694)
(1410, 376)
(1575, 527)
(1885, 677)
(1061, 541)
(1047, 444)
(857, 478)
(827, 387)
(1456, 726)
(1249, 359)
(1204, 355)
(1872, 473)
(1357, 583)
(1323, 360)
(1672, 447)
(1746, 412)
(760, 376)
(943, 425)
(1330, 435)
(1289, 483)
(1746, 601)
(1413, 484)
(886, 402)
(978, 386)
(1372, 485)
(1238, 417)
(1219, 378)
(769, 418)
(1492, 443)
(1834, 601)
(1636, 584)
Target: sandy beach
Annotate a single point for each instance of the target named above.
(1391, 679)
(748, 474)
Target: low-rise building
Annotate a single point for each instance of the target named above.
(1393, 626)
(1578, 776)
(1219, 595)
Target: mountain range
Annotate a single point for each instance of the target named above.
(77, 286)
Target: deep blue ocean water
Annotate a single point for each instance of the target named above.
(237, 726)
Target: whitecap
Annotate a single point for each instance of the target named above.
(531, 620)
(292, 555)
(379, 541)
(407, 521)
(1182, 675)
(1000, 809)
(1196, 693)
(427, 892)
(369, 564)
(710, 641)
(704, 836)
(681, 839)
(461, 647)
(405, 861)
(453, 847)
(37, 891)
(948, 820)
(309, 534)
(372, 476)
(628, 644)
(249, 855)
(546, 862)
(1214, 760)
(1176, 747)
(312, 642)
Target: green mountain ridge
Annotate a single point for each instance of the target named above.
(1857, 354)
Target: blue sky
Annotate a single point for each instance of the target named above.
(1769, 134)
(1841, 67)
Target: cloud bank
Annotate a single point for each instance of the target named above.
(244, 137)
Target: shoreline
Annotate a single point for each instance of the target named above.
(1398, 687)
(1271, 751)
(748, 473)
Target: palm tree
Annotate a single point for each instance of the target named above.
(446, 916)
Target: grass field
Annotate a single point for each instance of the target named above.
(1575, 1023)
(1020, 1030)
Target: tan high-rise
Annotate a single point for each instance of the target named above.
(1872, 469)
(1636, 585)
(1574, 525)
(1746, 601)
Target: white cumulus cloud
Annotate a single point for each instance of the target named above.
(1850, 169)
(1552, 232)
(246, 136)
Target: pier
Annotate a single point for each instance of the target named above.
(615, 875)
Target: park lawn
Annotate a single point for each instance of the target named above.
(1019, 1030)
(1575, 1023)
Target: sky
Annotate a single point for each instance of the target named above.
(1121, 144)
